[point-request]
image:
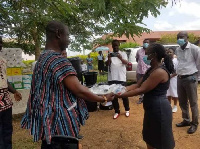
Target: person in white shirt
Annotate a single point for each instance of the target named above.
(6, 128)
(172, 91)
(116, 62)
(83, 66)
(188, 67)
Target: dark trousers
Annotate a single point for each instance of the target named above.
(115, 101)
(6, 129)
(44, 145)
(187, 91)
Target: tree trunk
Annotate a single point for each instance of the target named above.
(37, 51)
(37, 42)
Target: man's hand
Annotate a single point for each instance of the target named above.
(109, 56)
(119, 56)
(17, 96)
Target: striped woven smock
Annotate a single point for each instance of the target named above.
(52, 109)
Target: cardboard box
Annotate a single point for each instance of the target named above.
(10, 79)
(16, 71)
(17, 79)
(27, 85)
(9, 71)
(27, 77)
(18, 85)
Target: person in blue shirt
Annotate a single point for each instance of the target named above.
(89, 63)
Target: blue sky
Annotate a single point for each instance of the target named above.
(185, 15)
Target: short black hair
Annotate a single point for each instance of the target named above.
(145, 39)
(161, 53)
(115, 40)
(183, 32)
(172, 49)
(52, 27)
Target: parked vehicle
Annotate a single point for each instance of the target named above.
(132, 65)
(171, 45)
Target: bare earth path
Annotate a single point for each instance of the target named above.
(102, 132)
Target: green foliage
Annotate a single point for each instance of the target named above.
(28, 63)
(192, 38)
(172, 38)
(100, 41)
(102, 78)
(25, 20)
(128, 45)
(27, 47)
(168, 39)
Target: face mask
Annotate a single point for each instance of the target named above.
(146, 61)
(181, 42)
(145, 45)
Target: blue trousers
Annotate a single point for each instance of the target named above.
(6, 129)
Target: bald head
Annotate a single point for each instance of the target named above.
(182, 34)
(57, 34)
(53, 28)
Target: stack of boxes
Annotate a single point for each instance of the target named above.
(26, 79)
(15, 77)
(14, 70)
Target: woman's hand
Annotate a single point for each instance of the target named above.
(17, 96)
(110, 97)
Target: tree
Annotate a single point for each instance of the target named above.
(172, 38)
(25, 20)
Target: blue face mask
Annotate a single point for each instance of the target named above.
(145, 45)
(181, 42)
(146, 61)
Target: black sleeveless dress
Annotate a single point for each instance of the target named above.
(157, 123)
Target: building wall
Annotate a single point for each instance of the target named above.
(152, 36)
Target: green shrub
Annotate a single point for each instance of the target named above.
(28, 62)
(128, 45)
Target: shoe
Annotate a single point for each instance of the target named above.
(174, 109)
(183, 124)
(192, 129)
(140, 100)
(127, 114)
(116, 115)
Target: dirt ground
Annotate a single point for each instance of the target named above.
(102, 132)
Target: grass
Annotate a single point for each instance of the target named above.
(102, 78)
(21, 137)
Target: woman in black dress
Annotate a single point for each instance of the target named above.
(157, 123)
